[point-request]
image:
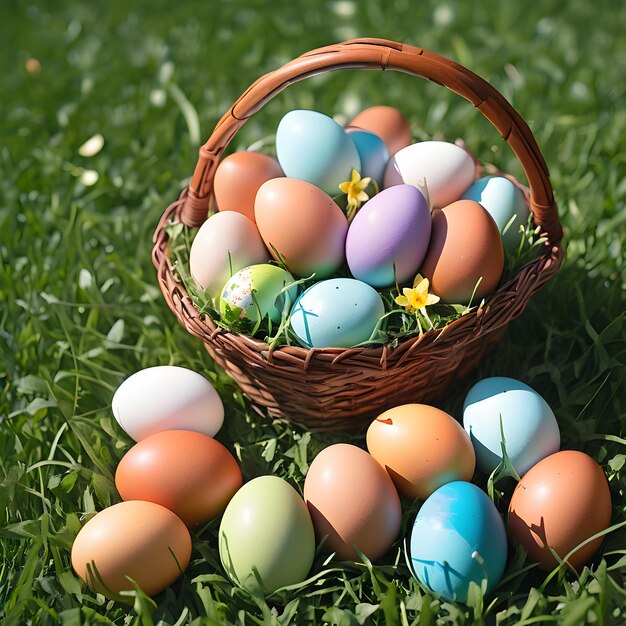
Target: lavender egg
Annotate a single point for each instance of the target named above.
(393, 228)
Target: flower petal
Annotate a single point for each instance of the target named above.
(418, 279)
(356, 177)
(345, 187)
(432, 299)
(365, 182)
(402, 301)
(362, 197)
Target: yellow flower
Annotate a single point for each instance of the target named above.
(418, 298)
(355, 190)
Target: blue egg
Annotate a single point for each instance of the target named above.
(311, 146)
(530, 429)
(503, 200)
(372, 152)
(336, 313)
(458, 537)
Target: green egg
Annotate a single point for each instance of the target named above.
(266, 537)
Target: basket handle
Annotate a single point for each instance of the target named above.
(381, 54)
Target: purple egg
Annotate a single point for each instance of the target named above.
(391, 228)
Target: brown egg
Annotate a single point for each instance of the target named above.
(560, 502)
(422, 448)
(238, 178)
(465, 245)
(352, 500)
(303, 224)
(388, 123)
(187, 472)
(142, 540)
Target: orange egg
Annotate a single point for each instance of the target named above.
(388, 123)
(303, 225)
(465, 247)
(141, 540)
(187, 472)
(559, 503)
(238, 178)
(352, 500)
(422, 448)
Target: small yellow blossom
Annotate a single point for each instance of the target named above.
(355, 190)
(418, 298)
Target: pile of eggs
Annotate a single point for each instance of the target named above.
(279, 224)
(177, 478)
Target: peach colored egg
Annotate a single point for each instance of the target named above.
(238, 179)
(352, 500)
(388, 123)
(189, 473)
(422, 448)
(141, 540)
(465, 246)
(303, 225)
(559, 503)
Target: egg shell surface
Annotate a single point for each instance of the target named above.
(303, 225)
(352, 500)
(465, 246)
(267, 527)
(131, 539)
(311, 146)
(167, 397)
(339, 313)
(372, 152)
(388, 123)
(531, 432)
(560, 502)
(447, 169)
(458, 537)
(189, 473)
(391, 230)
(421, 447)
(238, 178)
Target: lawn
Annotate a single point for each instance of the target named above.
(80, 309)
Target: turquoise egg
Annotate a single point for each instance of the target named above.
(503, 200)
(336, 313)
(458, 537)
(530, 429)
(372, 152)
(311, 146)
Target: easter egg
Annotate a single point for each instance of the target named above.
(372, 152)
(352, 502)
(256, 292)
(559, 503)
(339, 313)
(388, 238)
(447, 169)
(504, 202)
(457, 538)
(188, 473)
(266, 536)
(141, 540)
(227, 242)
(421, 447)
(302, 226)
(465, 248)
(238, 178)
(311, 146)
(388, 123)
(528, 423)
(167, 397)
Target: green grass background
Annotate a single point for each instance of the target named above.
(80, 309)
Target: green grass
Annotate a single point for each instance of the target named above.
(80, 309)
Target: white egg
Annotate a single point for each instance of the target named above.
(167, 397)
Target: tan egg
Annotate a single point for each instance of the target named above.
(422, 448)
(352, 500)
(558, 504)
(465, 247)
(238, 179)
(141, 540)
(388, 123)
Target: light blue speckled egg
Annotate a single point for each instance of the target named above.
(372, 152)
(530, 429)
(311, 146)
(503, 200)
(339, 313)
(458, 537)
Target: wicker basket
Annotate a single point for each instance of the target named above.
(343, 389)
